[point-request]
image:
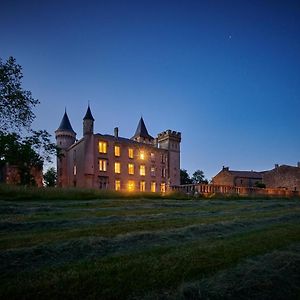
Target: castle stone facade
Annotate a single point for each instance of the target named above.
(111, 162)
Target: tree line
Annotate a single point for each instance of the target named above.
(197, 177)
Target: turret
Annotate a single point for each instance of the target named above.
(65, 137)
(88, 122)
(141, 134)
(170, 140)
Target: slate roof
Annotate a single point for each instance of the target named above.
(65, 124)
(142, 131)
(88, 115)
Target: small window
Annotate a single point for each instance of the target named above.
(103, 165)
(162, 187)
(131, 169)
(130, 185)
(142, 186)
(117, 150)
(75, 170)
(102, 147)
(117, 167)
(152, 171)
(152, 155)
(163, 172)
(142, 170)
(117, 185)
(153, 186)
(130, 152)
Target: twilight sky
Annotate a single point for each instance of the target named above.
(224, 73)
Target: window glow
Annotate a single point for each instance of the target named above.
(163, 172)
(152, 156)
(131, 169)
(153, 186)
(103, 165)
(102, 147)
(117, 185)
(130, 185)
(117, 167)
(142, 186)
(162, 187)
(117, 150)
(142, 170)
(74, 170)
(142, 154)
(130, 153)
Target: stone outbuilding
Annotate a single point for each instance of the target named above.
(237, 178)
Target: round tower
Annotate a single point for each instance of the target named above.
(65, 137)
(88, 122)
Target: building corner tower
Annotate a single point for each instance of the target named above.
(65, 137)
(170, 140)
(89, 151)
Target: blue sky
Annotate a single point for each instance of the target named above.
(224, 73)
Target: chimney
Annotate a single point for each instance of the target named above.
(276, 166)
(116, 132)
(298, 164)
(225, 168)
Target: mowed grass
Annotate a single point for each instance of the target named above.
(150, 249)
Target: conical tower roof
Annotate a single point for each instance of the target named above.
(65, 124)
(141, 130)
(88, 115)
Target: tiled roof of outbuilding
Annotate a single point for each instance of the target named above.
(246, 174)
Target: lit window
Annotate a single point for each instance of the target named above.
(103, 165)
(153, 186)
(163, 172)
(131, 169)
(162, 187)
(142, 170)
(102, 147)
(142, 186)
(117, 185)
(152, 156)
(117, 167)
(117, 150)
(142, 154)
(74, 170)
(130, 185)
(152, 171)
(130, 153)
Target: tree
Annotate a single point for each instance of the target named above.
(16, 114)
(16, 104)
(185, 177)
(50, 177)
(198, 177)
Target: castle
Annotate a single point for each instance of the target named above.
(111, 162)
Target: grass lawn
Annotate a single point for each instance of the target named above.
(149, 249)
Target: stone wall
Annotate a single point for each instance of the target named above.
(287, 177)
